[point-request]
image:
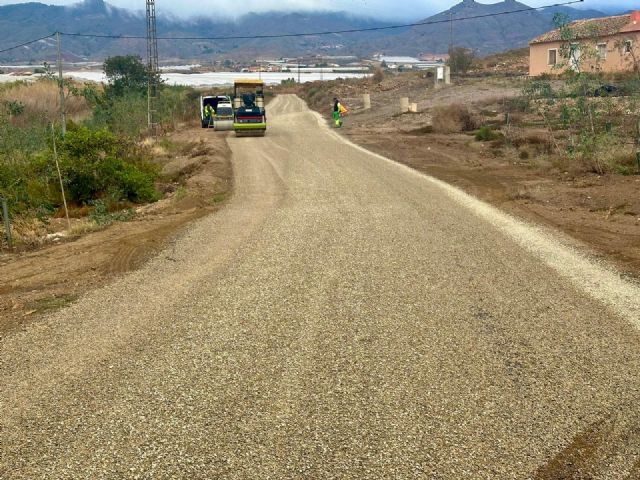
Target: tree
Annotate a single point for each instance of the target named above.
(378, 75)
(460, 60)
(126, 74)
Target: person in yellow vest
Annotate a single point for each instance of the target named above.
(209, 112)
(339, 111)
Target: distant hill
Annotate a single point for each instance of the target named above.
(496, 31)
(23, 22)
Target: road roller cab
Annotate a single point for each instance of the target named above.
(250, 116)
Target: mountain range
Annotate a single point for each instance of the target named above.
(493, 33)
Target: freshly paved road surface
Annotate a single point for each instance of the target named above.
(343, 317)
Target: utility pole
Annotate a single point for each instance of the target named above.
(63, 114)
(152, 67)
(450, 31)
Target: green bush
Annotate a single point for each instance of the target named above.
(100, 160)
(97, 163)
(487, 134)
(124, 115)
(103, 217)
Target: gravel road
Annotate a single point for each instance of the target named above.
(343, 317)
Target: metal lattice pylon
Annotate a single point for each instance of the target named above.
(152, 65)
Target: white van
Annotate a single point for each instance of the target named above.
(214, 102)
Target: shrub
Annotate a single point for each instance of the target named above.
(517, 104)
(452, 119)
(487, 134)
(96, 163)
(378, 76)
(460, 59)
(101, 215)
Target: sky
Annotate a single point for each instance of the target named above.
(384, 9)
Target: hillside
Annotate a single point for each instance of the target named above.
(23, 22)
(486, 35)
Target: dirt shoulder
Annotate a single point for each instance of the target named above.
(198, 162)
(601, 211)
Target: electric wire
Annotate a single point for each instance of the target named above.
(27, 43)
(300, 34)
(331, 32)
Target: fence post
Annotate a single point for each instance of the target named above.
(404, 104)
(7, 222)
(366, 100)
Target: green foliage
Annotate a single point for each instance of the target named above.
(97, 163)
(124, 115)
(19, 141)
(177, 105)
(102, 161)
(583, 127)
(125, 74)
(461, 60)
(101, 215)
(14, 107)
(487, 134)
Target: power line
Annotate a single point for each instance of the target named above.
(310, 34)
(27, 43)
(332, 32)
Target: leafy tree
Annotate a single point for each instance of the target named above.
(461, 60)
(126, 74)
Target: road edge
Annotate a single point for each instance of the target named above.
(595, 278)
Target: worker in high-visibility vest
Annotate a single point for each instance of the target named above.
(209, 112)
(339, 111)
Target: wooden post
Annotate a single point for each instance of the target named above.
(63, 115)
(404, 104)
(638, 145)
(7, 222)
(64, 198)
(366, 100)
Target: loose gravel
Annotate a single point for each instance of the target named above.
(342, 317)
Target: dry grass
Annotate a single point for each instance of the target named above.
(453, 119)
(83, 227)
(42, 99)
(28, 231)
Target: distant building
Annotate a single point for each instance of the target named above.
(613, 44)
(388, 59)
(434, 57)
(406, 63)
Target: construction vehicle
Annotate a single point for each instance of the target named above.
(223, 118)
(250, 116)
(215, 102)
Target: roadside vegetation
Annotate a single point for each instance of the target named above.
(106, 161)
(582, 120)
